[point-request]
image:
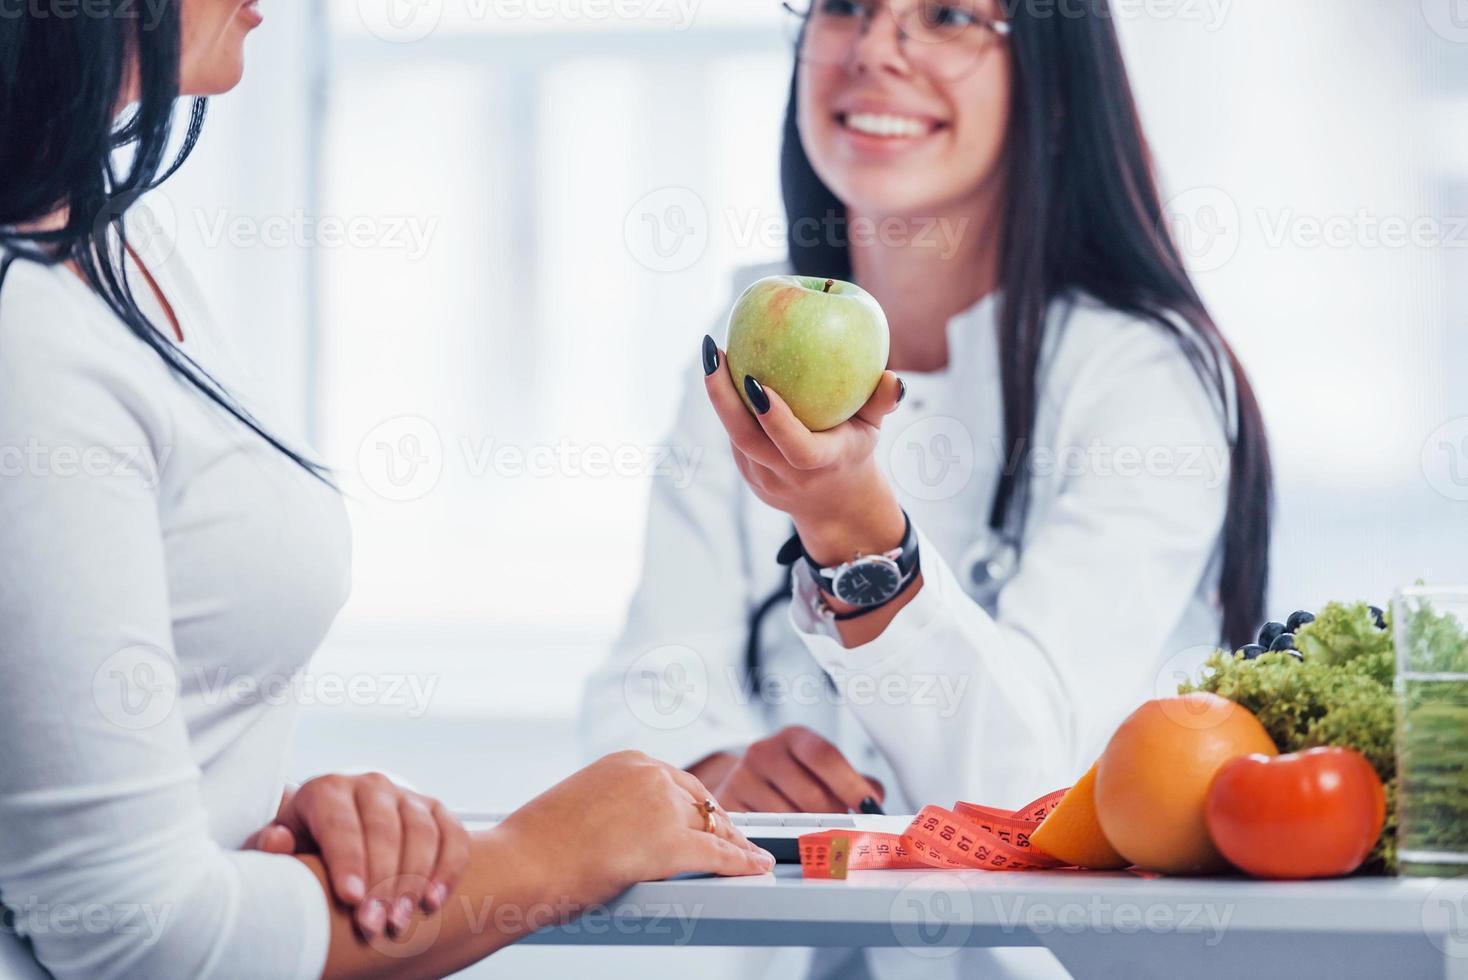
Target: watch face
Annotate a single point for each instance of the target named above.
(868, 582)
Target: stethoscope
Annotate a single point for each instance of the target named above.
(987, 566)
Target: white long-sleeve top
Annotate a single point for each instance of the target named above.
(164, 574)
(958, 699)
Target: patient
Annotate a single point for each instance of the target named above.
(160, 528)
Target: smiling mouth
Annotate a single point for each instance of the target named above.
(891, 126)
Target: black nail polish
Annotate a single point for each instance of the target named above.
(901, 390)
(757, 396)
(710, 356)
(871, 806)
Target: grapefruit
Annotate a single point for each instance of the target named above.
(1073, 834)
(1152, 781)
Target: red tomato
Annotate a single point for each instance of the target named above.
(1312, 814)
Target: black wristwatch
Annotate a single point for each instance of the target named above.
(867, 581)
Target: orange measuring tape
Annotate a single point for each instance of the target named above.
(968, 837)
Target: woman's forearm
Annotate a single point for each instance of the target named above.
(868, 521)
(507, 893)
(623, 819)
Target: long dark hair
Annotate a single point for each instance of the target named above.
(1082, 214)
(61, 79)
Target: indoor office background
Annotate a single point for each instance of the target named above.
(463, 228)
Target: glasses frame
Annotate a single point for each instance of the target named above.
(1001, 29)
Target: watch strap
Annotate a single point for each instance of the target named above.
(793, 550)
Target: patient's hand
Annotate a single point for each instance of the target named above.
(795, 770)
(625, 819)
(386, 849)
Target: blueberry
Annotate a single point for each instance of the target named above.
(1298, 619)
(1296, 654)
(1252, 651)
(1285, 641)
(1378, 617)
(1269, 632)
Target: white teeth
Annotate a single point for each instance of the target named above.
(881, 125)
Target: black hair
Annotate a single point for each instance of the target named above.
(62, 79)
(1082, 215)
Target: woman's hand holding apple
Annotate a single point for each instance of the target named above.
(828, 482)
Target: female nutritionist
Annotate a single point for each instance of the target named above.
(159, 531)
(1075, 487)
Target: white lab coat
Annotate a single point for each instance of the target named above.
(1114, 599)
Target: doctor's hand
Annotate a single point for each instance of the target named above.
(828, 482)
(793, 771)
(386, 849)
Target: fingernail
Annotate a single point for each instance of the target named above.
(373, 916)
(353, 888)
(767, 859)
(402, 914)
(434, 896)
(871, 806)
(710, 356)
(901, 390)
(757, 396)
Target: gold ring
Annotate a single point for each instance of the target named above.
(708, 808)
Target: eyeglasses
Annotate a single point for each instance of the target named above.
(945, 37)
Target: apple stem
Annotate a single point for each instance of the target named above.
(829, 284)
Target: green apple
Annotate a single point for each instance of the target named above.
(820, 343)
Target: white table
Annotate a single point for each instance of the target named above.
(1114, 926)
